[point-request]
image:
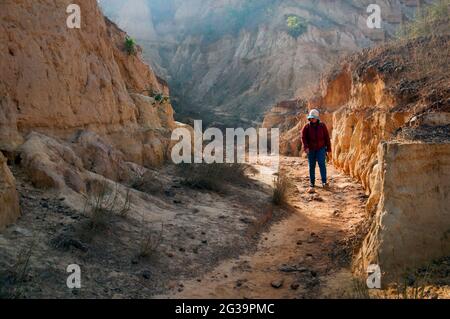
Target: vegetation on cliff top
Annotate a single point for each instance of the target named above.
(432, 19)
(296, 25)
(130, 46)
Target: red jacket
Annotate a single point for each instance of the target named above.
(316, 136)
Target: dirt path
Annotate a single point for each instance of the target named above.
(212, 244)
(192, 231)
(299, 256)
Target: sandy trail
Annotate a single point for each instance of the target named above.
(296, 257)
(232, 245)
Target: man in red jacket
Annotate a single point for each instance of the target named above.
(316, 143)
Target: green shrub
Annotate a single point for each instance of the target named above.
(159, 97)
(130, 46)
(296, 25)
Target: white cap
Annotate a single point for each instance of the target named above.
(314, 114)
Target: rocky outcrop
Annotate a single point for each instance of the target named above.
(9, 198)
(234, 59)
(53, 163)
(389, 114)
(412, 223)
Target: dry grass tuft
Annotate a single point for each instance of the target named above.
(12, 280)
(150, 243)
(103, 203)
(281, 186)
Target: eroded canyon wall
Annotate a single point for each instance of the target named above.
(58, 79)
(230, 60)
(411, 226)
(74, 102)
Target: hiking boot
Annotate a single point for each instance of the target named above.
(311, 190)
(326, 185)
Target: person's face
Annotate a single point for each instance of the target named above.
(313, 121)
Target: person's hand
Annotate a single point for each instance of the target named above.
(307, 150)
(329, 157)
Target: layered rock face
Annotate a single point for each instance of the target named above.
(74, 102)
(234, 59)
(58, 80)
(388, 109)
(412, 223)
(9, 198)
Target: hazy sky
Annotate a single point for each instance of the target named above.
(134, 16)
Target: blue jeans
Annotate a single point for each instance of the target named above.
(317, 157)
